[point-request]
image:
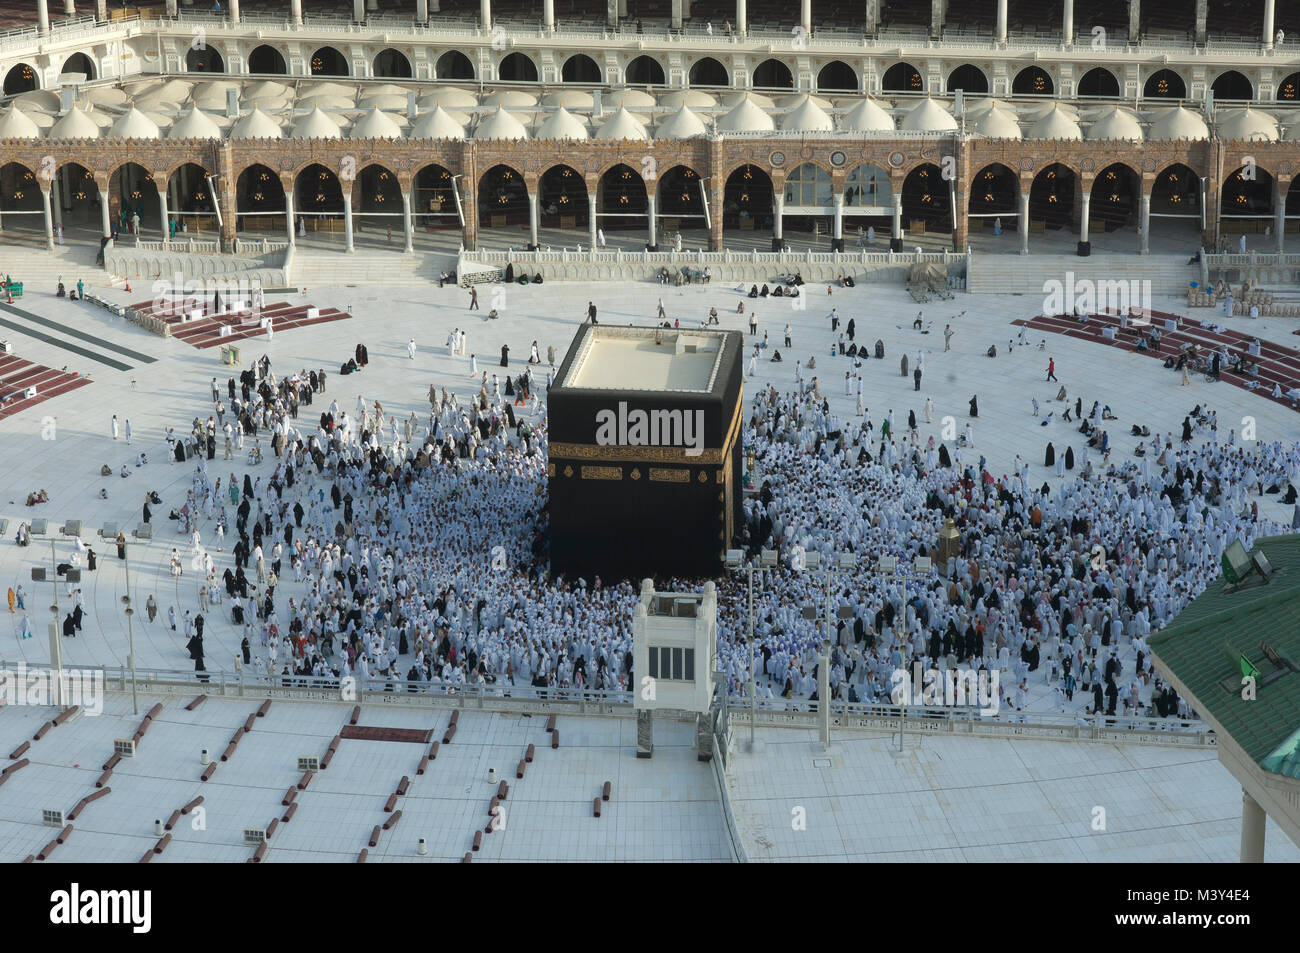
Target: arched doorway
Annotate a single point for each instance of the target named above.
(644, 71)
(926, 199)
(78, 63)
(1164, 84)
(622, 205)
(328, 61)
(580, 68)
(1176, 210)
(1246, 206)
(868, 203)
(809, 208)
(503, 206)
(260, 204)
(562, 203)
(1098, 82)
(1052, 199)
(773, 74)
(1292, 212)
(1232, 85)
(132, 193)
(267, 61)
(969, 79)
(747, 206)
(517, 68)
(1289, 89)
(20, 79)
(206, 59)
(22, 209)
(189, 202)
(392, 64)
(994, 207)
(1033, 81)
(1115, 204)
(902, 78)
(78, 204)
(377, 208)
(708, 72)
(433, 200)
(454, 65)
(837, 77)
(318, 204)
(681, 206)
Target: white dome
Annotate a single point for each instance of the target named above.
(758, 99)
(326, 88)
(622, 125)
(500, 125)
(451, 97)
(386, 101)
(267, 90)
(383, 89)
(695, 98)
(437, 125)
(1248, 124)
(16, 124)
(790, 102)
(134, 125)
(257, 125)
(1178, 123)
(316, 125)
(634, 99)
(212, 94)
(325, 101)
(562, 124)
(511, 99)
(569, 99)
(106, 96)
(375, 125)
(997, 124)
(928, 116)
(194, 125)
(1116, 124)
(75, 125)
(867, 116)
(807, 117)
(1055, 124)
(746, 116)
(682, 124)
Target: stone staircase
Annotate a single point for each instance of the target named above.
(1030, 274)
(317, 268)
(40, 270)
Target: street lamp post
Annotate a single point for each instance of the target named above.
(767, 559)
(844, 563)
(130, 629)
(922, 568)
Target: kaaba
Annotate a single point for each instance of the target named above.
(644, 464)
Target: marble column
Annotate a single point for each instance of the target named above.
(896, 235)
(532, 221)
(407, 228)
(1067, 23)
(778, 214)
(347, 220)
(591, 219)
(742, 17)
(485, 14)
(1146, 223)
(653, 243)
(49, 223)
(1085, 247)
(295, 11)
(162, 208)
(288, 216)
(1024, 221)
(104, 222)
(43, 16)
(837, 232)
(1253, 819)
(548, 14)
(1001, 33)
(1268, 24)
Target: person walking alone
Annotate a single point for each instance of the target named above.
(1051, 368)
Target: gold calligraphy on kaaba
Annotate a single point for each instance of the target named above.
(665, 475)
(602, 473)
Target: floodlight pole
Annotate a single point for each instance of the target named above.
(752, 707)
(130, 628)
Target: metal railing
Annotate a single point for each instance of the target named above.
(503, 256)
(188, 245)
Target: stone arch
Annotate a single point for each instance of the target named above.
(679, 198)
(1232, 84)
(772, 74)
(392, 64)
(517, 68)
(580, 68)
(260, 201)
(1116, 194)
(433, 196)
(1165, 84)
(328, 61)
(837, 76)
(925, 196)
(994, 190)
(1247, 191)
(318, 197)
(968, 78)
(267, 60)
(1033, 81)
(133, 191)
(206, 59)
(503, 191)
(747, 196)
(808, 184)
(868, 185)
(706, 71)
(21, 205)
(79, 63)
(21, 78)
(902, 78)
(644, 71)
(1288, 91)
(1098, 81)
(622, 202)
(453, 65)
(1051, 196)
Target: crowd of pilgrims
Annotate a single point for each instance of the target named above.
(417, 550)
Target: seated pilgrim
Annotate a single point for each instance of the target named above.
(776, 356)
(753, 290)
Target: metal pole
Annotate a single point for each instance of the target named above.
(902, 711)
(130, 628)
(752, 706)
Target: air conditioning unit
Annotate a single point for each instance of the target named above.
(308, 764)
(124, 746)
(255, 836)
(52, 818)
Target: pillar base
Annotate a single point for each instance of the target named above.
(531, 247)
(837, 244)
(1084, 249)
(895, 244)
(778, 244)
(652, 248)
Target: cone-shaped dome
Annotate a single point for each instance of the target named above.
(1178, 123)
(622, 125)
(682, 124)
(746, 116)
(437, 125)
(375, 125)
(316, 125)
(134, 125)
(562, 124)
(75, 125)
(1248, 124)
(1055, 124)
(194, 125)
(1116, 124)
(807, 117)
(928, 116)
(451, 97)
(867, 116)
(500, 125)
(997, 124)
(257, 125)
(16, 124)
(695, 98)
